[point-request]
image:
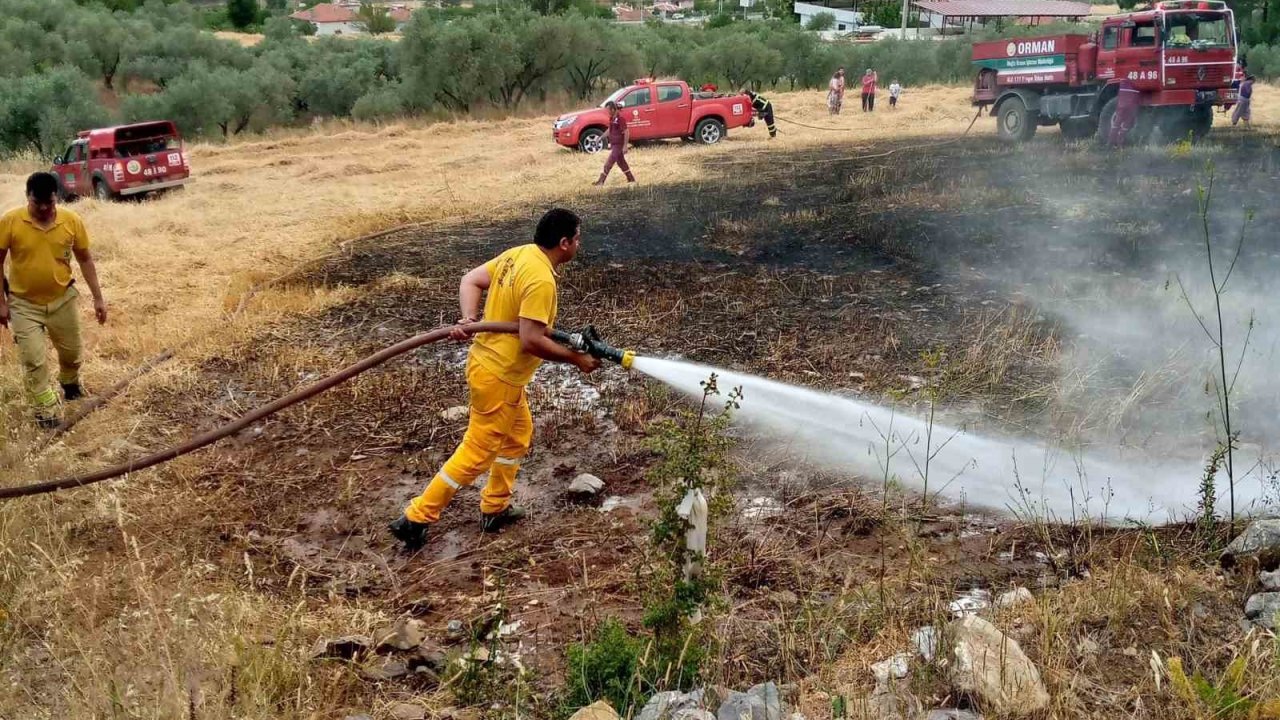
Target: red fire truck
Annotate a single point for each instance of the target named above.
(1180, 55)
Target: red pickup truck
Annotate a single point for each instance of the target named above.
(656, 110)
(123, 161)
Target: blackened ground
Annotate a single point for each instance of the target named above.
(834, 267)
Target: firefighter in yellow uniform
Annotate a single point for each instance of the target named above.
(521, 284)
(39, 296)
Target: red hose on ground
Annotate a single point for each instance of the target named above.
(253, 416)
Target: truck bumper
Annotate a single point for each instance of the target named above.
(565, 138)
(153, 187)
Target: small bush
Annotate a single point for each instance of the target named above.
(380, 104)
(607, 668)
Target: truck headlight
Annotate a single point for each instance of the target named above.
(563, 123)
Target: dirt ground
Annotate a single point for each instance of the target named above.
(826, 263)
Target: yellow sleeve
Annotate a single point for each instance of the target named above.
(538, 301)
(81, 241)
(6, 229)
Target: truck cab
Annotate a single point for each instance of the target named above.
(1174, 51)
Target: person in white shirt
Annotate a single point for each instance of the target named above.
(894, 91)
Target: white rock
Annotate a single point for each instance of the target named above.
(1016, 596)
(1088, 646)
(971, 603)
(925, 640)
(992, 666)
(952, 714)
(895, 668)
(1259, 542)
(1270, 580)
(611, 503)
(408, 711)
(1262, 609)
(455, 414)
(586, 484)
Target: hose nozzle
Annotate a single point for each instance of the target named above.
(587, 340)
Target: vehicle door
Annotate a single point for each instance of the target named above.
(1108, 45)
(73, 170)
(1138, 57)
(638, 108)
(675, 106)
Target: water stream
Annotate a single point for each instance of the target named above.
(852, 436)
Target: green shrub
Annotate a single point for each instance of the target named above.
(607, 668)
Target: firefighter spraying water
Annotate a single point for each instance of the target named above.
(1161, 70)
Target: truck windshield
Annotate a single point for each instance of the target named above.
(615, 97)
(1196, 30)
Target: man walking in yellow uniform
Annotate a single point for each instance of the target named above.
(522, 286)
(39, 295)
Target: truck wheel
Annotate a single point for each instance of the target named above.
(1201, 122)
(101, 191)
(592, 141)
(1105, 116)
(709, 131)
(1015, 122)
(1078, 128)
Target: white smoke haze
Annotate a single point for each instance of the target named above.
(852, 436)
(1138, 373)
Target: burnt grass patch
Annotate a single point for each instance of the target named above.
(822, 267)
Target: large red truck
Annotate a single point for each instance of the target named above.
(1180, 55)
(656, 110)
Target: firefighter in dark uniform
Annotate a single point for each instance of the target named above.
(765, 109)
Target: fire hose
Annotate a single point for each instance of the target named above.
(586, 340)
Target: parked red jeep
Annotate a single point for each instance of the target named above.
(123, 161)
(657, 110)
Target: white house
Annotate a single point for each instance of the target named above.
(341, 19)
(846, 19)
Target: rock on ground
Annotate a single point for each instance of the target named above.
(1259, 542)
(1014, 597)
(456, 413)
(664, 705)
(925, 640)
(950, 714)
(407, 711)
(895, 668)
(1262, 609)
(893, 704)
(772, 699)
(1270, 580)
(586, 484)
(404, 634)
(741, 706)
(599, 710)
(993, 667)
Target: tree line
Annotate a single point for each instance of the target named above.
(66, 66)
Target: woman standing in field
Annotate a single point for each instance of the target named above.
(835, 92)
(869, 79)
(1244, 109)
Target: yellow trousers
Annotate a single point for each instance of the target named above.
(497, 440)
(31, 323)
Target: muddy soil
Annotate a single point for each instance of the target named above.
(817, 267)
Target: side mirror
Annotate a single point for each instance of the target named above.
(57, 160)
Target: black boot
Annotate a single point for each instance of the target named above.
(492, 523)
(48, 423)
(412, 534)
(72, 391)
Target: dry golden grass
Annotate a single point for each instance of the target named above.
(134, 625)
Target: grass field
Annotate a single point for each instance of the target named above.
(169, 595)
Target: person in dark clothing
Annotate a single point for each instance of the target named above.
(619, 134)
(765, 109)
(1126, 116)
